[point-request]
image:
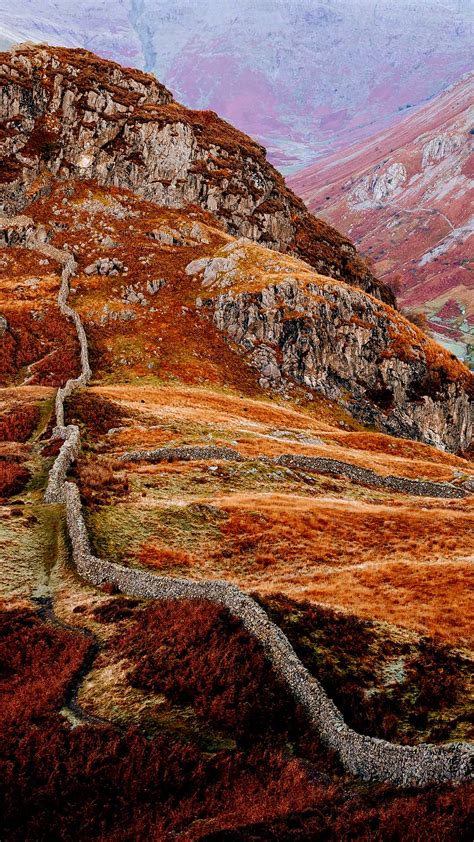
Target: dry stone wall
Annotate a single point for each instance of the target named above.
(420, 488)
(366, 757)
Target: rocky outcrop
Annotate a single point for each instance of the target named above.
(70, 114)
(298, 327)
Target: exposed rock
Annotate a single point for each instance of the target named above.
(438, 147)
(108, 243)
(299, 327)
(154, 286)
(133, 296)
(105, 266)
(167, 236)
(379, 186)
(3, 326)
(83, 117)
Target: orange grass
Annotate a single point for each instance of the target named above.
(404, 564)
(430, 598)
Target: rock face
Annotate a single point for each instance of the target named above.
(299, 327)
(70, 114)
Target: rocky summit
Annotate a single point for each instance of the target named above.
(69, 114)
(236, 491)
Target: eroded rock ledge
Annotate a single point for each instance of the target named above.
(296, 326)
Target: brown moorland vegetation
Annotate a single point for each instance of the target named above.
(117, 784)
(312, 537)
(388, 684)
(19, 423)
(13, 477)
(408, 564)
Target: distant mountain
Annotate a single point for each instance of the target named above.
(300, 76)
(405, 198)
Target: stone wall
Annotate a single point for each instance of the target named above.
(369, 758)
(402, 485)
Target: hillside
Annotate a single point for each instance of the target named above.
(70, 114)
(300, 76)
(233, 604)
(405, 196)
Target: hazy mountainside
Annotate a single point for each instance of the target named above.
(405, 197)
(69, 113)
(228, 610)
(299, 75)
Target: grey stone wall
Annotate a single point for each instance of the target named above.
(421, 488)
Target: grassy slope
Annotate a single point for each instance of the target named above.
(272, 530)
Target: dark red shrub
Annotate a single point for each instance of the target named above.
(97, 415)
(13, 478)
(46, 342)
(19, 423)
(37, 664)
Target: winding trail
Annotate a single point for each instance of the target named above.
(369, 758)
(71, 708)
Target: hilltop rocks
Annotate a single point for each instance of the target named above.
(70, 114)
(189, 234)
(20, 231)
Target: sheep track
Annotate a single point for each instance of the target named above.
(369, 758)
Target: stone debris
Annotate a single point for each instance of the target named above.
(154, 286)
(108, 243)
(134, 296)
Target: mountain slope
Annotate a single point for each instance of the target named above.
(405, 197)
(69, 113)
(301, 76)
(228, 609)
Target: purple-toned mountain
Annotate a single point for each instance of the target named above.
(300, 76)
(405, 197)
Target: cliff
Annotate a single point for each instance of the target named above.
(299, 327)
(68, 113)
